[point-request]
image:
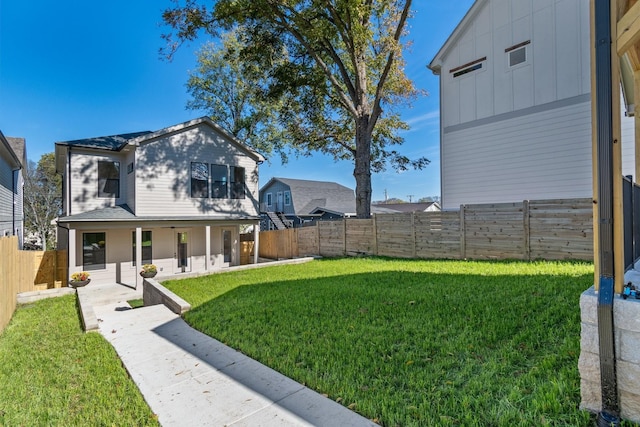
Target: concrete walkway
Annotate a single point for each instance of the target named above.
(190, 379)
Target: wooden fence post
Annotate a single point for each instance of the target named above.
(413, 234)
(344, 236)
(375, 235)
(318, 234)
(463, 249)
(527, 230)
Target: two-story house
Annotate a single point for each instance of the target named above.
(175, 198)
(13, 160)
(515, 104)
(287, 202)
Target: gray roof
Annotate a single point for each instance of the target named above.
(18, 145)
(307, 195)
(111, 143)
(123, 213)
(406, 207)
(7, 147)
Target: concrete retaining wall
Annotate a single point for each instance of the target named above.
(153, 293)
(627, 340)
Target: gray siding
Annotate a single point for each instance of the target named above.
(163, 175)
(275, 188)
(6, 197)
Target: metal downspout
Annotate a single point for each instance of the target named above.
(604, 115)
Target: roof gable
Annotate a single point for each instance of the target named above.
(457, 33)
(182, 127)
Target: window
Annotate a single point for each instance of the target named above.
(287, 198)
(269, 199)
(130, 167)
(93, 251)
(108, 179)
(199, 179)
(219, 181)
(517, 54)
(147, 248)
(237, 182)
(467, 70)
(468, 67)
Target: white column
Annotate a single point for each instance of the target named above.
(256, 238)
(138, 255)
(207, 239)
(72, 251)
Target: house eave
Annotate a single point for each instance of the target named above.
(436, 63)
(17, 164)
(191, 124)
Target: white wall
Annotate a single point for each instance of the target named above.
(557, 65)
(523, 132)
(84, 180)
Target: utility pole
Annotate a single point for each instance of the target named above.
(410, 196)
(385, 196)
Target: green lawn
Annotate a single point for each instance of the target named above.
(54, 374)
(411, 343)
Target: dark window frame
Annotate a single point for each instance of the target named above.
(94, 250)
(237, 179)
(199, 187)
(147, 251)
(108, 179)
(219, 189)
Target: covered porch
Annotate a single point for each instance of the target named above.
(115, 251)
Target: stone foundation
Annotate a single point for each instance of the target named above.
(626, 318)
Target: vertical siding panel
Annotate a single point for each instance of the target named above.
(568, 48)
(543, 50)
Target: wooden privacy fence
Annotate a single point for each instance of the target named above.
(541, 229)
(278, 244)
(24, 271)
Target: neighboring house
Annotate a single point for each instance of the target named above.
(286, 202)
(515, 109)
(13, 160)
(410, 207)
(175, 198)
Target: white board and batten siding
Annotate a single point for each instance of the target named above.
(163, 171)
(519, 132)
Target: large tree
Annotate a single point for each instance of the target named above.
(332, 64)
(42, 199)
(230, 90)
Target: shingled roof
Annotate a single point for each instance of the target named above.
(111, 143)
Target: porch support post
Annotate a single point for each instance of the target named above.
(207, 240)
(138, 255)
(636, 120)
(256, 241)
(72, 250)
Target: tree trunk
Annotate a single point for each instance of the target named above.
(362, 170)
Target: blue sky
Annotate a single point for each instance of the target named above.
(72, 69)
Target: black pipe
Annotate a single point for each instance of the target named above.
(604, 119)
